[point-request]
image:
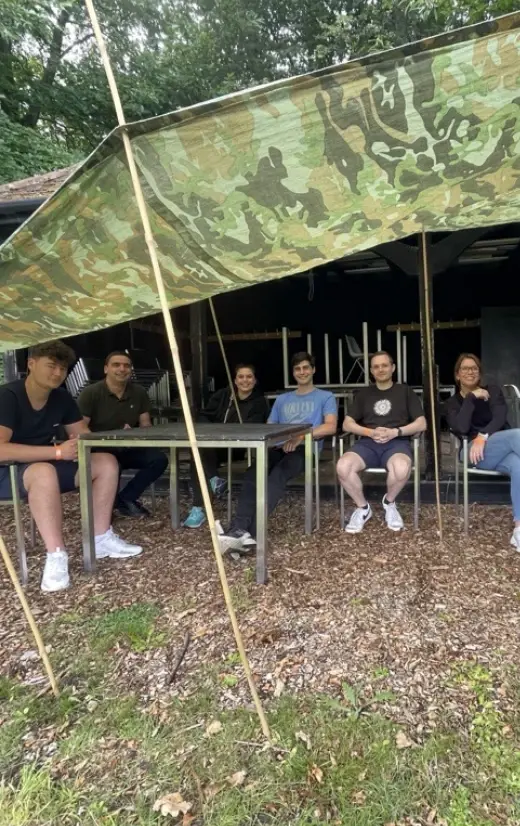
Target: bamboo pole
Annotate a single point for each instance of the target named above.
(224, 358)
(150, 242)
(29, 617)
(431, 367)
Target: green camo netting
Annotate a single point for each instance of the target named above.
(276, 180)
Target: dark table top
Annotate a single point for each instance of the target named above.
(176, 431)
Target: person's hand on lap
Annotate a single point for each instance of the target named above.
(476, 451)
(69, 450)
(291, 444)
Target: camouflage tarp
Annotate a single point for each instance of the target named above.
(275, 180)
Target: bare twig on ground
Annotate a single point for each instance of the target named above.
(178, 661)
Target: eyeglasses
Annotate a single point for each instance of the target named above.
(469, 370)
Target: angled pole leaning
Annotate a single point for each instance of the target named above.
(425, 275)
(29, 617)
(224, 358)
(150, 241)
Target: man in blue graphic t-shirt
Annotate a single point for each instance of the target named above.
(307, 404)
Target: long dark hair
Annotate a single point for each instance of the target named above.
(459, 361)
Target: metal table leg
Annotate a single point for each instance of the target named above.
(308, 483)
(85, 499)
(20, 538)
(317, 484)
(465, 484)
(229, 483)
(174, 488)
(261, 514)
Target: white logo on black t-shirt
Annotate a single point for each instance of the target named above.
(382, 407)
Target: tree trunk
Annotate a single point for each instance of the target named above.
(49, 73)
(8, 102)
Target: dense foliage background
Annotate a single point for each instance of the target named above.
(54, 100)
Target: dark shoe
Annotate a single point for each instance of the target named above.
(236, 540)
(128, 508)
(218, 486)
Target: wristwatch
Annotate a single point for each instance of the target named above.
(399, 433)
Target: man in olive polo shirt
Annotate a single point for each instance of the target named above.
(116, 403)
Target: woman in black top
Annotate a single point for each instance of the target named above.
(254, 409)
(480, 413)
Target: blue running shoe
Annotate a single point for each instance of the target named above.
(218, 486)
(196, 518)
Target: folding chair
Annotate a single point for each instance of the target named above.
(466, 471)
(415, 473)
(15, 503)
(356, 353)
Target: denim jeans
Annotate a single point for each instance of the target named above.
(502, 453)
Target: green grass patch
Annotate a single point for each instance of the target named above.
(95, 757)
(133, 626)
(112, 760)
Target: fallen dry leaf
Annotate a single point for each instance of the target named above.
(172, 804)
(359, 798)
(186, 613)
(317, 773)
(402, 741)
(237, 778)
(212, 790)
(300, 735)
(213, 728)
(279, 687)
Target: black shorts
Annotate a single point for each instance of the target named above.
(66, 473)
(376, 455)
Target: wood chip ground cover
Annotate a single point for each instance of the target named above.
(390, 636)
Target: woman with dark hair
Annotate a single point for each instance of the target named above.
(254, 409)
(480, 412)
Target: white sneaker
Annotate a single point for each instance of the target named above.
(392, 516)
(110, 544)
(358, 519)
(515, 539)
(56, 571)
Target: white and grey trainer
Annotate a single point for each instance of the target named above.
(393, 518)
(358, 520)
(56, 571)
(110, 544)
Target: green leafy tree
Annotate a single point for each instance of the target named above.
(172, 53)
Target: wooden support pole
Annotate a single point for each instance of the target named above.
(29, 617)
(430, 384)
(199, 360)
(224, 359)
(152, 250)
(366, 358)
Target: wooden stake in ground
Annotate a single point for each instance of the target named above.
(30, 619)
(143, 212)
(431, 367)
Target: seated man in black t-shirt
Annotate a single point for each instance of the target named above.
(32, 413)
(384, 415)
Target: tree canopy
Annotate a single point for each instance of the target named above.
(55, 104)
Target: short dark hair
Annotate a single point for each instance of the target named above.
(382, 353)
(57, 350)
(302, 356)
(118, 353)
(245, 366)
